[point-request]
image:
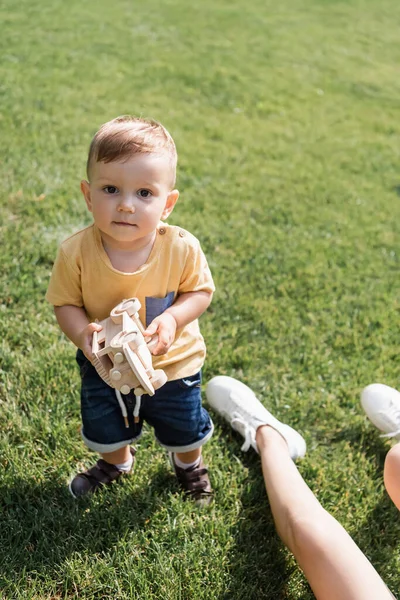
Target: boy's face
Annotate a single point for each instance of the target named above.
(128, 198)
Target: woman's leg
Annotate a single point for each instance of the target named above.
(391, 474)
(381, 404)
(334, 566)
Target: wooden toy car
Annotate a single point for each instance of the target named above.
(122, 357)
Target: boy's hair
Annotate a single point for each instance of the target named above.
(126, 136)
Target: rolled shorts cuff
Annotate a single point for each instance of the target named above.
(189, 447)
(104, 448)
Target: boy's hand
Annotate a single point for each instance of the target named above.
(165, 327)
(85, 339)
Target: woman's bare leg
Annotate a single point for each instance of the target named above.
(381, 404)
(391, 474)
(334, 566)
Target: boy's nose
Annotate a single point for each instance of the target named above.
(126, 205)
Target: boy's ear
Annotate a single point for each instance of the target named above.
(85, 189)
(169, 205)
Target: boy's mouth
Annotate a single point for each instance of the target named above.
(124, 224)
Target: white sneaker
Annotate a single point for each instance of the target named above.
(382, 406)
(238, 404)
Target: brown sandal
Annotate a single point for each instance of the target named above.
(194, 482)
(102, 473)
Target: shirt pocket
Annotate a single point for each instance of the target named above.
(156, 306)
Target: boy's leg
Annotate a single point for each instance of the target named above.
(332, 563)
(103, 431)
(118, 457)
(189, 458)
(182, 425)
(192, 475)
(391, 474)
(334, 566)
(103, 472)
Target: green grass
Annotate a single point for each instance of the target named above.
(287, 121)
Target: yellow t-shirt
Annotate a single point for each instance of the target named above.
(84, 276)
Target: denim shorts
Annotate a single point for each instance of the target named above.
(175, 412)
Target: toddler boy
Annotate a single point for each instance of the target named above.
(129, 252)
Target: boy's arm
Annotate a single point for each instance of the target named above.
(186, 308)
(74, 323)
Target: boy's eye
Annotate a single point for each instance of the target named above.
(144, 193)
(110, 189)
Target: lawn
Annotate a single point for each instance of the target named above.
(287, 121)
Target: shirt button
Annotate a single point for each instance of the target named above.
(161, 230)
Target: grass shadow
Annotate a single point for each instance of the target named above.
(42, 525)
(366, 440)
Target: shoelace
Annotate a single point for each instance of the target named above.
(248, 432)
(392, 434)
(394, 415)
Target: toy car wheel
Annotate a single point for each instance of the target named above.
(131, 306)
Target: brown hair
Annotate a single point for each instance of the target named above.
(126, 136)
